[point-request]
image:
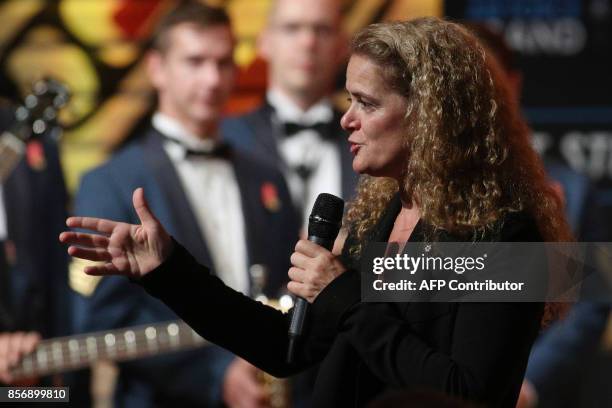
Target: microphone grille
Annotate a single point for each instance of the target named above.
(329, 207)
(326, 216)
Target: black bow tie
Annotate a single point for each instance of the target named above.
(291, 128)
(218, 151)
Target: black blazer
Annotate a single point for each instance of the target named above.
(474, 350)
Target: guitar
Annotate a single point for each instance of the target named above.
(37, 115)
(61, 354)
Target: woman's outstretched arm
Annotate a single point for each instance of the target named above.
(147, 255)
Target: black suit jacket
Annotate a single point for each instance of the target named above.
(477, 351)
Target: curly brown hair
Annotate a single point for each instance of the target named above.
(471, 160)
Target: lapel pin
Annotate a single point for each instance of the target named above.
(269, 197)
(35, 155)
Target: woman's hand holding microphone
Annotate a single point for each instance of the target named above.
(314, 267)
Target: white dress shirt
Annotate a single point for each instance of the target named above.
(307, 148)
(213, 194)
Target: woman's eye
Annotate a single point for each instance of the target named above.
(364, 104)
(361, 103)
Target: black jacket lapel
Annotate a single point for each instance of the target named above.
(264, 131)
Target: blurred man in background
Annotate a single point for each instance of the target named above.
(297, 126)
(33, 269)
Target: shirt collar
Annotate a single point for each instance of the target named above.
(173, 129)
(287, 111)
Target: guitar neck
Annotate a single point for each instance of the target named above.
(11, 151)
(70, 353)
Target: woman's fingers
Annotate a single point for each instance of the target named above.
(83, 239)
(310, 249)
(97, 254)
(142, 208)
(302, 290)
(102, 270)
(300, 260)
(302, 284)
(94, 224)
(297, 274)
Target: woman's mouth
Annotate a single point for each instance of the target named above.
(355, 148)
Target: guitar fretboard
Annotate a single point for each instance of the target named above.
(69, 353)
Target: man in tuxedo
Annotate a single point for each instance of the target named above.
(297, 127)
(231, 210)
(33, 269)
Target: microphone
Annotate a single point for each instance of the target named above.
(323, 227)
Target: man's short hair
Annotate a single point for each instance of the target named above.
(189, 12)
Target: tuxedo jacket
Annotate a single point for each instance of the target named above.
(194, 377)
(477, 351)
(255, 133)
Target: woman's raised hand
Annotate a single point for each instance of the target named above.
(121, 248)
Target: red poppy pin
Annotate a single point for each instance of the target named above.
(269, 197)
(35, 155)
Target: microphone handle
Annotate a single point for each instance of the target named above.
(296, 327)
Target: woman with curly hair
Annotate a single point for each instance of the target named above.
(445, 157)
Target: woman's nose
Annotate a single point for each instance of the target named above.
(349, 121)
